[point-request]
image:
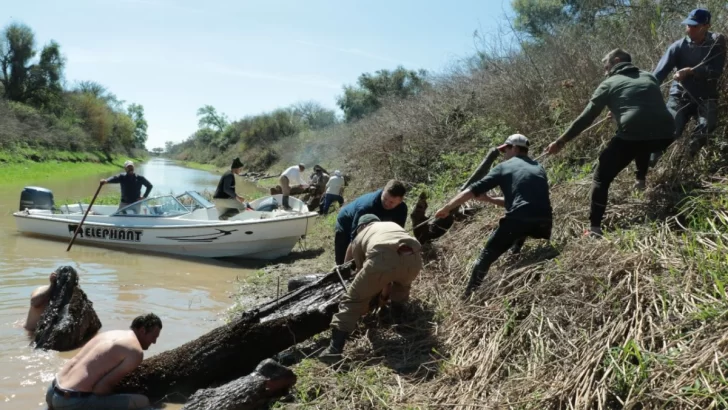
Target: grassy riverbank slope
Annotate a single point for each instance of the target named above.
(636, 320)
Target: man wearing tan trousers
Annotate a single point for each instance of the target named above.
(384, 254)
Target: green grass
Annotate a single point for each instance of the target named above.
(19, 165)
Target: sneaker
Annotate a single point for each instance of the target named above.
(639, 185)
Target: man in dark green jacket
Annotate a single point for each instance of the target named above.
(644, 125)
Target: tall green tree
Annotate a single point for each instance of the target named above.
(365, 98)
(209, 117)
(136, 113)
(38, 84)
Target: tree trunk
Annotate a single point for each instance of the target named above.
(270, 380)
(69, 320)
(233, 350)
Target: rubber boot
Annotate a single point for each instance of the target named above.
(332, 354)
(284, 203)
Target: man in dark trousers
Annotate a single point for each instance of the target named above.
(387, 204)
(699, 58)
(526, 198)
(644, 125)
(131, 186)
(227, 201)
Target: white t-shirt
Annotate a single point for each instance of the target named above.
(294, 175)
(335, 185)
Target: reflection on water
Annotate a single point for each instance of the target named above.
(189, 295)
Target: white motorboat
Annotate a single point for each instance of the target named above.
(186, 224)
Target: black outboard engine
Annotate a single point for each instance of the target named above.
(34, 197)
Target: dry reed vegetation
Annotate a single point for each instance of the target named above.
(636, 320)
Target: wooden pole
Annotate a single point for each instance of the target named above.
(78, 228)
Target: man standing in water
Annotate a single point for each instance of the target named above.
(131, 185)
(227, 201)
(88, 380)
(38, 302)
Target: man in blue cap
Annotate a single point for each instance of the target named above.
(699, 58)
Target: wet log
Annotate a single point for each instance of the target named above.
(69, 320)
(233, 350)
(269, 381)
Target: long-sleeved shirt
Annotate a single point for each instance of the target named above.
(370, 203)
(226, 186)
(294, 175)
(685, 53)
(633, 96)
(525, 188)
(131, 186)
(335, 185)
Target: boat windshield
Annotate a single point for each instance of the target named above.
(164, 206)
(193, 200)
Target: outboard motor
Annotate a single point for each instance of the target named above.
(34, 197)
(268, 205)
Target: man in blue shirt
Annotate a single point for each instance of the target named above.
(699, 58)
(131, 185)
(387, 203)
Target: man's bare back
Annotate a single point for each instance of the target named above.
(88, 380)
(38, 302)
(102, 362)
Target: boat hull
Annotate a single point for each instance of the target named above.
(257, 239)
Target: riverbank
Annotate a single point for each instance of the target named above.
(611, 306)
(18, 166)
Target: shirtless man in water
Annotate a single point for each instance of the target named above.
(38, 302)
(88, 380)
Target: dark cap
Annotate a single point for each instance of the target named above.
(697, 16)
(236, 164)
(367, 218)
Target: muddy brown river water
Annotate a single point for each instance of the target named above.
(190, 296)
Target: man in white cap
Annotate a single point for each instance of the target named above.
(525, 188)
(334, 192)
(131, 185)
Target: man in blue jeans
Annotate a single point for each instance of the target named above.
(699, 58)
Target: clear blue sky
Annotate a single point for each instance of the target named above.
(244, 57)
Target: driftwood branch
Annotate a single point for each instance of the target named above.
(233, 350)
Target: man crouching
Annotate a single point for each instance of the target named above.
(88, 379)
(384, 253)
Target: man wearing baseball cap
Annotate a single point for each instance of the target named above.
(699, 58)
(525, 188)
(644, 125)
(131, 185)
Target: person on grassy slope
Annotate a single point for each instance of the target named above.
(644, 125)
(525, 188)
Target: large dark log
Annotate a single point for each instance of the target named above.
(270, 380)
(69, 320)
(233, 350)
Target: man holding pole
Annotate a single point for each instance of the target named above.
(131, 185)
(644, 125)
(525, 188)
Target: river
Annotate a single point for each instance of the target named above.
(190, 296)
